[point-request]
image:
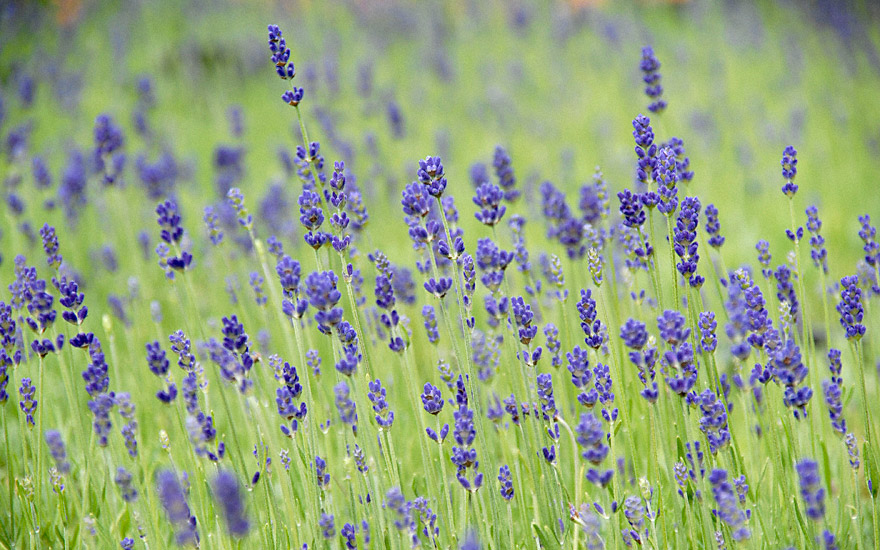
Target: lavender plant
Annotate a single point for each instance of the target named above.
(452, 414)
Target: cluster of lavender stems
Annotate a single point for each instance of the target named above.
(671, 403)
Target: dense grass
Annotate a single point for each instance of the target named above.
(559, 93)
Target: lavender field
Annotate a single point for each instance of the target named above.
(461, 275)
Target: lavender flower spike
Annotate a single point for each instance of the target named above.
(650, 66)
(173, 500)
(227, 492)
(789, 171)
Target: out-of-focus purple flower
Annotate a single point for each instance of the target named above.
(852, 448)
(479, 174)
(129, 429)
(728, 509)
(173, 499)
(551, 335)
(345, 406)
(713, 227)
(650, 67)
(811, 489)
(50, 246)
(56, 448)
(430, 318)
(256, 281)
(215, 232)
(236, 200)
(101, 405)
(327, 525)
(832, 394)
(395, 119)
(42, 176)
(682, 162)
(124, 480)
(591, 437)
(502, 165)
(634, 511)
(554, 207)
(227, 493)
(72, 190)
(158, 177)
(109, 139)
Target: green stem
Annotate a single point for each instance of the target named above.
(10, 478)
(673, 270)
(39, 443)
(450, 516)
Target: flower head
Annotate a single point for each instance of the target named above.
(650, 67)
(850, 308)
(228, 494)
(173, 499)
(811, 488)
(280, 53)
(789, 170)
(488, 200)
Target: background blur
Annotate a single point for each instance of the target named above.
(556, 83)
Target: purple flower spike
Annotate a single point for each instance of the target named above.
(812, 490)
(789, 170)
(377, 395)
(280, 53)
(228, 494)
(432, 399)
(173, 498)
(488, 200)
(650, 67)
(728, 509)
(850, 308)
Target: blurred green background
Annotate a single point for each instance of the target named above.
(556, 83)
